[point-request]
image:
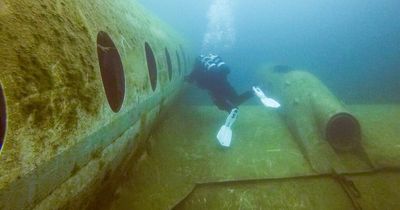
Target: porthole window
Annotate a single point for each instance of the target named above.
(188, 62)
(112, 72)
(169, 63)
(179, 62)
(184, 59)
(151, 65)
(3, 117)
(184, 62)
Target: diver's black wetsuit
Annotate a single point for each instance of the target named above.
(214, 79)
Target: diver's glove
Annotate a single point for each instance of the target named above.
(268, 102)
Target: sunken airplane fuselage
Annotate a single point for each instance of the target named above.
(82, 84)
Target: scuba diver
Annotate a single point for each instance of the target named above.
(210, 73)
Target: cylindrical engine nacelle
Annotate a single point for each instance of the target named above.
(312, 111)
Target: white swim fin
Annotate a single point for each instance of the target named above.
(268, 102)
(224, 135)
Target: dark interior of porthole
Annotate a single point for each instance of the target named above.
(179, 63)
(112, 72)
(151, 65)
(343, 131)
(169, 63)
(3, 117)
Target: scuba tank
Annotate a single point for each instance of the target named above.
(214, 63)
